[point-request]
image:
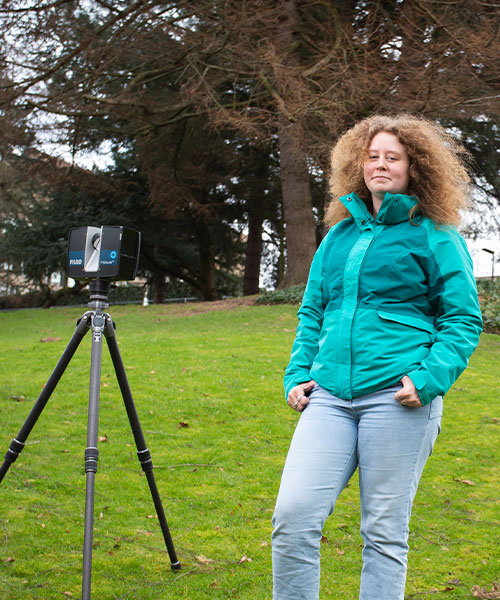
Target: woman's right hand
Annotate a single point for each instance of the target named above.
(298, 396)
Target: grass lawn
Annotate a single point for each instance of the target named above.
(208, 389)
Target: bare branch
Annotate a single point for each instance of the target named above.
(36, 8)
(281, 103)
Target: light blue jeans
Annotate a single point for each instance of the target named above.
(389, 444)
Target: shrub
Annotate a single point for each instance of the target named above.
(489, 300)
(291, 295)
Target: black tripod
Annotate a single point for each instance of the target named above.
(100, 323)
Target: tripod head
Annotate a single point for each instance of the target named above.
(99, 292)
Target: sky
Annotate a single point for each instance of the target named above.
(482, 260)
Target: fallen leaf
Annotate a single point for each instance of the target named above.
(466, 481)
(103, 438)
(482, 592)
(203, 560)
(50, 339)
(10, 559)
(183, 424)
(244, 559)
(324, 539)
(340, 552)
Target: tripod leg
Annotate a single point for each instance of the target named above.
(142, 450)
(91, 452)
(18, 443)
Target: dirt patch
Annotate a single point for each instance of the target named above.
(196, 308)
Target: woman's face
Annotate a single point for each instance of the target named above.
(387, 168)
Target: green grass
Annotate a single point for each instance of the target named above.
(208, 390)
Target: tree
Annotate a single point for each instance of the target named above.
(294, 70)
(308, 70)
(201, 249)
(481, 137)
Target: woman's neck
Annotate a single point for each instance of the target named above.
(376, 204)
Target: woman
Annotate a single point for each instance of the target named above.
(388, 321)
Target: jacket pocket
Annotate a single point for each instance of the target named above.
(408, 321)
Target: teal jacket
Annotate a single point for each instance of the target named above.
(386, 297)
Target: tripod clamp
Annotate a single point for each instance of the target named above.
(15, 449)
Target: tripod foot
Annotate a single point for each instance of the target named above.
(175, 566)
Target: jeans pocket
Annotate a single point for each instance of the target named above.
(436, 413)
(436, 408)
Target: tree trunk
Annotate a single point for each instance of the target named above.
(282, 252)
(207, 265)
(159, 287)
(253, 253)
(297, 207)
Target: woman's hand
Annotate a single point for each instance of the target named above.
(408, 396)
(298, 397)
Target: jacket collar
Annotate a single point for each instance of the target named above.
(395, 209)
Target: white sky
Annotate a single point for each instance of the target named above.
(481, 259)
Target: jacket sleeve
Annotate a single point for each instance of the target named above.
(305, 346)
(453, 293)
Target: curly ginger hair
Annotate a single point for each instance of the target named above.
(438, 173)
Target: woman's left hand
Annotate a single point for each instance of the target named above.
(408, 395)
